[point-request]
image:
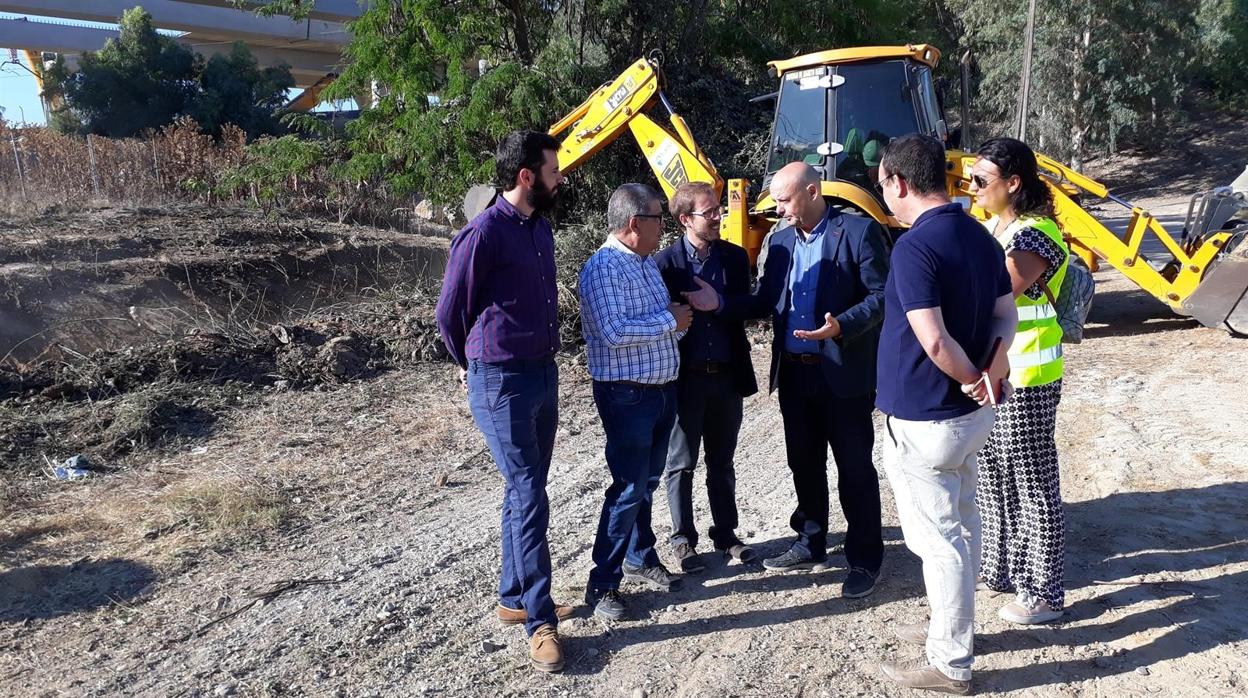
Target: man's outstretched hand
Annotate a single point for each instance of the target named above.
(706, 298)
(830, 330)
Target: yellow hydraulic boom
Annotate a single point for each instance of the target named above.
(1173, 284)
(623, 103)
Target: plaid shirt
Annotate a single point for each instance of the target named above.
(629, 333)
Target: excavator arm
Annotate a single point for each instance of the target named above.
(1200, 278)
(625, 103)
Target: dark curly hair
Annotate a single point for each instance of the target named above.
(1013, 157)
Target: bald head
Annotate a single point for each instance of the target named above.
(798, 173)
(796, 191)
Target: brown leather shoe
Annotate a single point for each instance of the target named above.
(516, 616)
(918, 674)
(545, 651)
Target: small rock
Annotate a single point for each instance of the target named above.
(225, 689)
(489, 646)
(441, 480)
(640, 693)
(384, 615)
(1142, 670)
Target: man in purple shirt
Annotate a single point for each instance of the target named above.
(497, 317)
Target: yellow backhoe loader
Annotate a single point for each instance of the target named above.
(835, 108)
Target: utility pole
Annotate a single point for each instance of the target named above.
(1025, 87)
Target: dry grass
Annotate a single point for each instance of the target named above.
(170, 163)
(228, 503)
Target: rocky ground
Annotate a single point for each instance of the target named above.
(375, 550)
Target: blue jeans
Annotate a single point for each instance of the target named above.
(516, 406)
(638, 423)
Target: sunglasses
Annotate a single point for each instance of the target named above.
(981, 181)
(648, 215)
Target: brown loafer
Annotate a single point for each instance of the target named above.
(918, 674)
(545, 650)
(516, 616)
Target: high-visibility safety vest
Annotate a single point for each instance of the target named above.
(1036, 354)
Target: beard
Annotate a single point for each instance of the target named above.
(543, 198)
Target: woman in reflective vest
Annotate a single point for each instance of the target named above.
(1018, 494)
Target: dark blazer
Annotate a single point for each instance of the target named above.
(851, 287)
(678, 275)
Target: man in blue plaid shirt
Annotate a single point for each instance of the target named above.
(631, 331)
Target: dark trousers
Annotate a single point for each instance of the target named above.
(708, 411)
(815, 419)
(516, 406)
(637, 421)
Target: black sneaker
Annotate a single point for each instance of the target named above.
(791, 560)
(655, 576)
(688, 558)
(859, 583)
(606, 603)
(739, 552)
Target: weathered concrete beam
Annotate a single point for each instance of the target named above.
(306, 66)
(327, 10)
(205, 22)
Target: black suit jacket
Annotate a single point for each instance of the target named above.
(678, 275)
(852, 273)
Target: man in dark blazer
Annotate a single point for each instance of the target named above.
(823, 286)
(716, 373)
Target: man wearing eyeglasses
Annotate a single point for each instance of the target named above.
(631, 330)
(823, 287)
(715, 375)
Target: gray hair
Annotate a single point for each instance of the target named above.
(629, 200)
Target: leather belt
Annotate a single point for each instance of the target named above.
(635, 384)
(808, 359)
(707, 366)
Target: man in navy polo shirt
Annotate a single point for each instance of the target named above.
(947, 299)
(497, 317)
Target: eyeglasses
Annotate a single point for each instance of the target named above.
(710, 213)
(648, 215)
(879, 186)
(981, 181)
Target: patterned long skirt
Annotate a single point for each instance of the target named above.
(1020, 499)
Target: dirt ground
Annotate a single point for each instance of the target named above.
(389, 544)
(340, 538)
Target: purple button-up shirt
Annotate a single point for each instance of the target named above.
(499, 299)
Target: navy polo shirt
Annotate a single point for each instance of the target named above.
(946, 260)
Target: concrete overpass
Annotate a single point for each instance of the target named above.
(311, 47)
(328, 10)
(306, 67)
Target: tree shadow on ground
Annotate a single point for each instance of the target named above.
(51, 591)
(1130, 313)
(1150, 548)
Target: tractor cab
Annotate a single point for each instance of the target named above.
(836, 109)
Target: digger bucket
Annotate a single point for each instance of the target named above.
(1221, 299)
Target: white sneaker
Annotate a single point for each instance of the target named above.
(1028, 610)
